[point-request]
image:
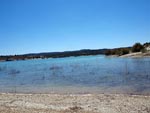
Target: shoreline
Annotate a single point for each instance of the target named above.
(74, 103)
(132, 55)
(137, 55)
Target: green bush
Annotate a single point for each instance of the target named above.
(125, 51)
(119, 51)
(146, 44)
(108, 52)
(137, 47)
(143, 50)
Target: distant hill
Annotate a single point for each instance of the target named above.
(53, 54)
(137, 47)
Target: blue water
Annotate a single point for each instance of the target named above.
(85, 74)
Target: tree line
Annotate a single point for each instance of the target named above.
(137, 47)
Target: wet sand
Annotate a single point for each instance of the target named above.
(74, 103)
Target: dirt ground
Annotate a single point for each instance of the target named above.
(74, 103)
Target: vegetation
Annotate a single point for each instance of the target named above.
(53, 54)
(118, 51)
(137, 47)
(147, 44)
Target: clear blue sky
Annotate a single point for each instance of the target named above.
(28, 26)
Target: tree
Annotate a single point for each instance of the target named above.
(137, 47)
(125, 51)
(147, 44)
(108, 52)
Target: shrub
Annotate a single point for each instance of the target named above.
(137, 47)
(143, 50)
(108, 52)
(125, 51)
(119, 51)
(147, 44)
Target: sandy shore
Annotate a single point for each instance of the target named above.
(137, 55)
(77, 103)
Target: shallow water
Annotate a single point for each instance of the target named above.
(85, 74)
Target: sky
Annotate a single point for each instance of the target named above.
(32, 26)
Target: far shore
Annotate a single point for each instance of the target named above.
(74, 103)
(130, 55)
(133, 55)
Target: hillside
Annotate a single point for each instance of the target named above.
(53, 54)
(137, 50)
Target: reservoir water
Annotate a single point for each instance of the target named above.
(84, 74)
